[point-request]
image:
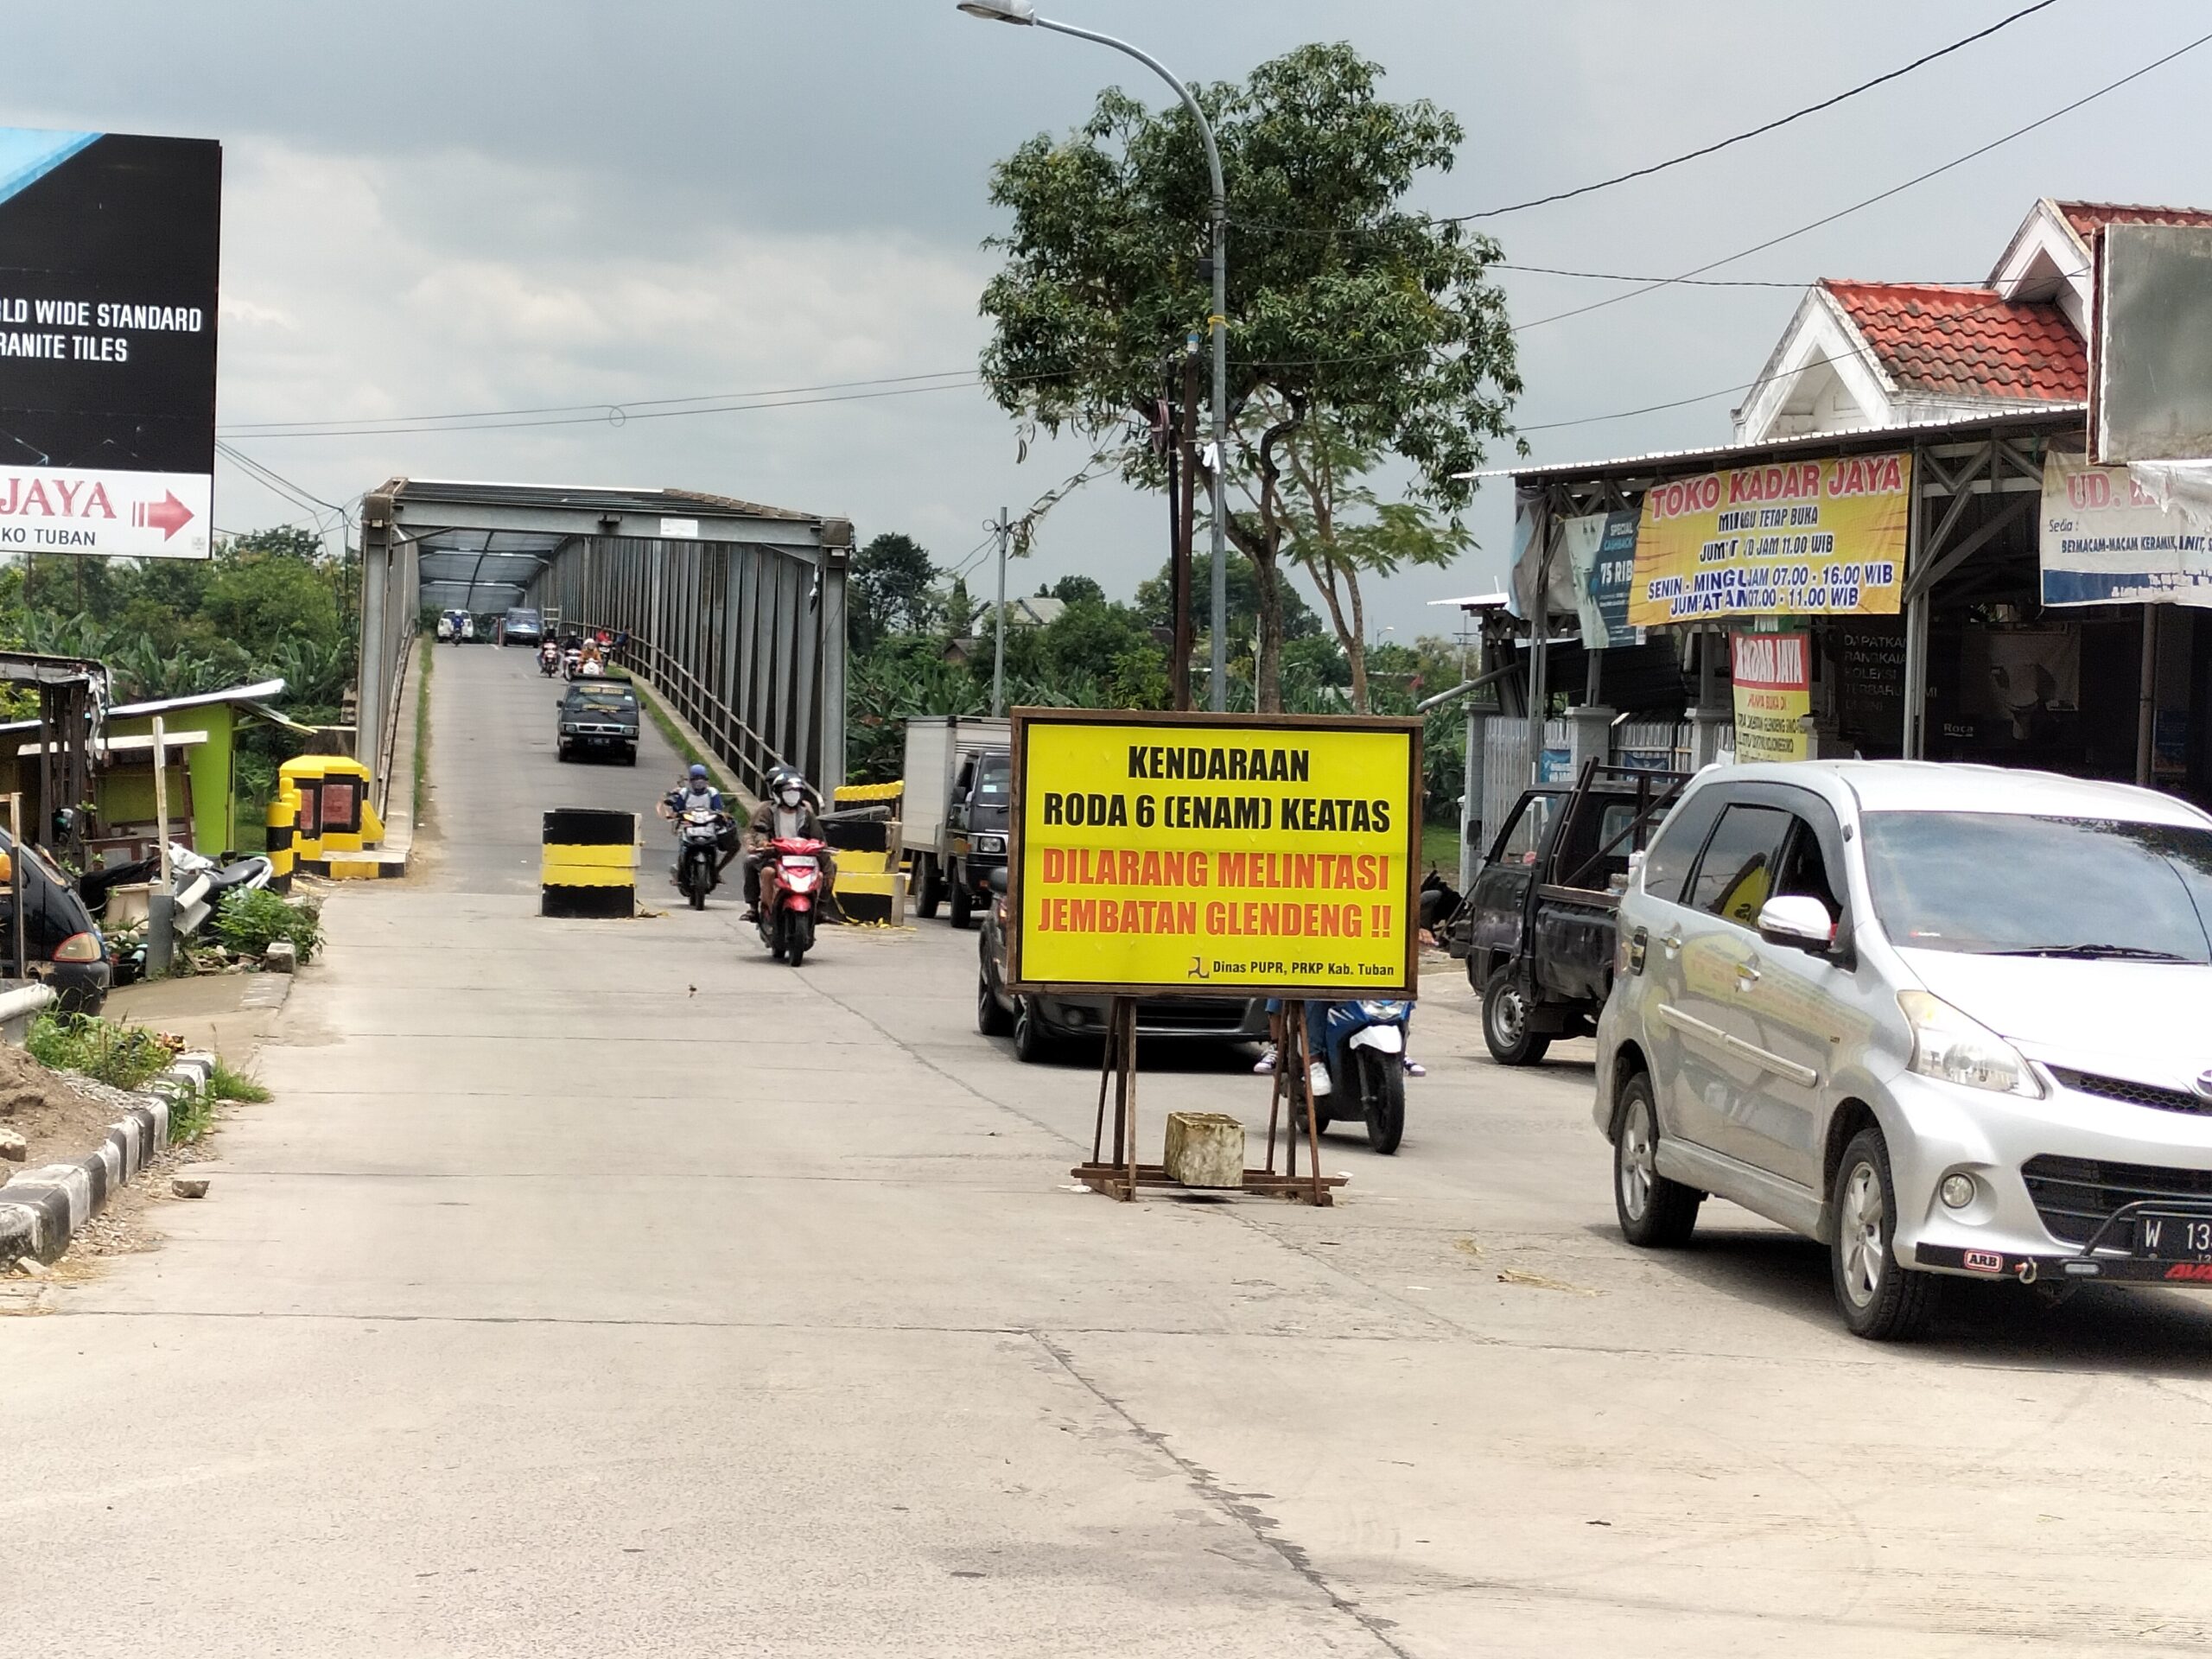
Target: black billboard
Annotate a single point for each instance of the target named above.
(109, 252)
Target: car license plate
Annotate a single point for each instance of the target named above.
(2174, 1238)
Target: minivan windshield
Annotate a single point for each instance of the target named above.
(994, 780)
(2007, 884)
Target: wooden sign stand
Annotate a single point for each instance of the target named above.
(1292, 1085)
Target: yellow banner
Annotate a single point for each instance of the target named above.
(1802, 538)
(1191, 855)
(1773, 678)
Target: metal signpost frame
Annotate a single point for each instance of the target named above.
(1114, 1167)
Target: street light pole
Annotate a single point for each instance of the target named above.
(1002, 527)
(1025, 12)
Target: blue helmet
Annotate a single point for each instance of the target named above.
(698, 773)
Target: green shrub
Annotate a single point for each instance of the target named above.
(250, 921)
(223, 1083)
(121, 1056)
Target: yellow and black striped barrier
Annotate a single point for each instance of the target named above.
(282, 819)
(589, 863)
(871, 887)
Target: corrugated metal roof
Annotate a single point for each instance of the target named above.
(2057, 418)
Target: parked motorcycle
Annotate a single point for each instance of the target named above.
(202, 884)
(549, 659)
(1359, 1049)
(699, 831)
(790, 883)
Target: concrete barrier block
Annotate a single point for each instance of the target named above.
(1205, 1149)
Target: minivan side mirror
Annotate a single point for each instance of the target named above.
(1799, 922)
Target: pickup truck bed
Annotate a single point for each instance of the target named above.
(1538, 928)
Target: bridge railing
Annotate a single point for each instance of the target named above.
(744, 641)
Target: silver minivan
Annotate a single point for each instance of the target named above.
(1948, 1019)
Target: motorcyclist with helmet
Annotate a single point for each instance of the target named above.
(698, 790)
(786, 813)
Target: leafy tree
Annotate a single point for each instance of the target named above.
(1344, 307)
(957, 611)
(889, 591)
(1075, 590)
(1339, 529)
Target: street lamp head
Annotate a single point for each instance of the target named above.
(1002, 11)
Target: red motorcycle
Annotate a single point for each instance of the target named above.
(790, 885)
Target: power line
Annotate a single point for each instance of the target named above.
(613, 412)
(1759, 131)
(1894, 190)
(1683, 282)
(1994, 302)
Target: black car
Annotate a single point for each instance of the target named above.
(522, 626)
(600, 717)
(1037, 1024)
(60, 939)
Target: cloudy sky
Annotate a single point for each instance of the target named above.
(485, 205)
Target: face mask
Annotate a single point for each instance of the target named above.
(790, 797)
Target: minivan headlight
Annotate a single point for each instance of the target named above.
(991, 844)
(1946, 1044)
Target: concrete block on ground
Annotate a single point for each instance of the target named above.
(1205, 1149)
(281, 958)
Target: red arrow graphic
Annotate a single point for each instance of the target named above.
(168, 515)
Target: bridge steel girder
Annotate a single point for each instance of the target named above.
(735, 612)
(745, 640)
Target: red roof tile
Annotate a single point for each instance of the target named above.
(2088, 217)
(1965, 342)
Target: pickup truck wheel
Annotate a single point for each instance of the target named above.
(1506, 1021)
(963, 901)
(1655, 1213)
(931, 892)
(630, 755)
(1880, 1298)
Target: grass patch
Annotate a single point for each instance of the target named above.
(252, 920)
(1439, 849)
(422, 735)
(666, 725)
(121, 1056)
(223, 1083)
(191, 1116)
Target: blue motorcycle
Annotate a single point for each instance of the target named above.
(1363, 1047)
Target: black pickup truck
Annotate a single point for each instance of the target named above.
(1537, 928)
(600, 717)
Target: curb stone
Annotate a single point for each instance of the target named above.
(41, 1210)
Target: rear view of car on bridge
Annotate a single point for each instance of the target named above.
(1950, 1020)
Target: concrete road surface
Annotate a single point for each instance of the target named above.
(605, 1288)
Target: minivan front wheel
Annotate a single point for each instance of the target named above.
(1655, 1213)
(1880, 1298)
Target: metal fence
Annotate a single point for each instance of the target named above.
(390, 592)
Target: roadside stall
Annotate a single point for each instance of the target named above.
(1898, 593)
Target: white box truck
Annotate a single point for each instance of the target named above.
(959, 788)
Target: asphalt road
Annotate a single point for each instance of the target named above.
(606, 1288)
